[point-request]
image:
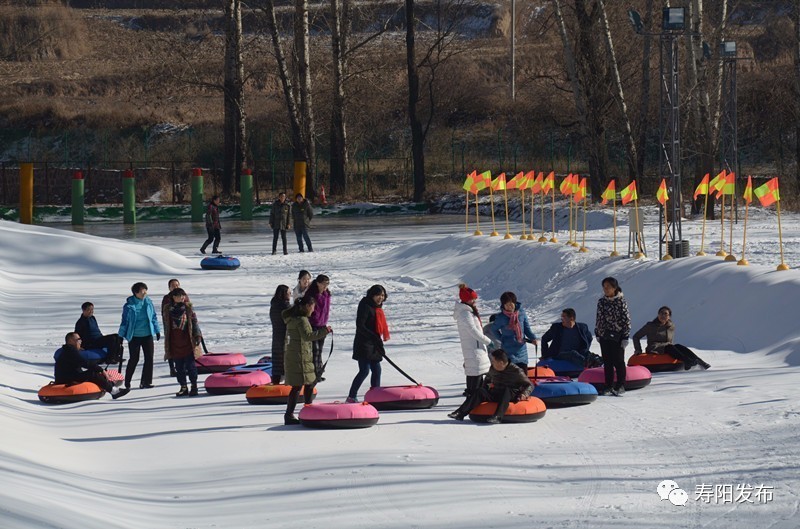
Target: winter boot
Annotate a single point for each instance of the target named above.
(193, 391)
(183, 392)
(290, 419)
(120, 393)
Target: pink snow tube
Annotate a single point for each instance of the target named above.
(338, 415)
(402, 397)
(635, 377)
(115, 377)
(219, 362)
(231, 382)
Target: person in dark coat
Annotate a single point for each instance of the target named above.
(280, 220)
(213, 226)
(371, 332)
(508, 384)
(92, 338)
(660, 334)
(567, 340)
(612, 328)
(172, 284)
(71, 368)
(302, 213)
(298, 359)
(279, 303)
(181, 336)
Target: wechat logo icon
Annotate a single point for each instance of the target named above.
(669, 490)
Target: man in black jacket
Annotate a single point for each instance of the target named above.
(567, 340)
(302, 213)
(89, 331)
(70, 368)
(280, 220)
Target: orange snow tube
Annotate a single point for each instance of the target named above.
(540, 372)
(530, 410)
(270, 394)
(656, 362)
(62, 393)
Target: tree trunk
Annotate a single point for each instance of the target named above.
(797, 89)
(417, 136)
(644, 112)
(302, 50)
(235, 140)
(338, 130)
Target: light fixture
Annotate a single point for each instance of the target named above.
(728, 49)
(674, 19)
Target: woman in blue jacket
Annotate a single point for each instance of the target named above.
(512, 330)
(139, 325)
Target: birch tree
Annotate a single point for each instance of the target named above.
(235, 139)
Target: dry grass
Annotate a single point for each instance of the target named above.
(42, 32)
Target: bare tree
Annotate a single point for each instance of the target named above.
(303, 58)
(644, 103)
(235, 149)
(796, 20)
(340, 25)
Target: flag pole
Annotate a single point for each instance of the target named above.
(505, 197)
(524, 236)
(615, 253)
(466, 215)
(553, 212)
(639, 254)
(730, 256)
(542, 238)
(722, 252)
(477, 216)
(743, 261)
(533, 206)
(569, 203)
(491, 196)
(783, 266)
(703, 236)
(667, 256)
(583, 248)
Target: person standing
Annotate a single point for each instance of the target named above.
(139, 325)
(319, 318)
(181, 336)
(512, 330)
(172, 284)
(473, 341)
(213, 226)
(371, 331)
(302, 213)
(279, 303)
(612, 328)
(280, 220)
(303, 282)
(299, 365)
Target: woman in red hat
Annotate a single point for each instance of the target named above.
(473, 341)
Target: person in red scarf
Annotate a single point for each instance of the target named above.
(371, 331)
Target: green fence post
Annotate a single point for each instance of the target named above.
(246, 194)
(77, 198)
(197, 195)
(128, 197)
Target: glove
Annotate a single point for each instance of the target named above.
(624, 344)
(158, 336)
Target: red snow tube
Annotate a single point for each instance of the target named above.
(219, 362)
(656, 362)
(402, 397)
(62, 393)
(530, 410)
(270, 394)
(636, 377)
(339, 415)
(231, 382)
(540, 372)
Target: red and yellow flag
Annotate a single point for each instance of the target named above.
(527, 180)
(515, 182)
(549, 183)
(575, 183)
(566, 186)
(662, 194)
(610, 193)
(702, 188)
(483, 180)
(499, 183)
(768, 194)
(538, 183)
(469, 183)
(748, 190)
(629, 193)
(727, 186)
(717, 182)
(580, 192)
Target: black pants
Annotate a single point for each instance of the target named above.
(501, 395)
(316, 351)
(308, 396)
(275, 234)
(473, 384)
(523, 366)
(95, 376)
(137, 343)
(111, 342)
(213, 235)
(684, 354)
(613, 360)
(302, 234)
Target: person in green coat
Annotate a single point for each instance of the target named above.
(298, 357)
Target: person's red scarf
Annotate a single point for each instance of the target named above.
(381, 327)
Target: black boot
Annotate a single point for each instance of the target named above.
(290, 419)
(183, 392)
(193, 391)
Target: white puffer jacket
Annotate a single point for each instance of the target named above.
(473, 341)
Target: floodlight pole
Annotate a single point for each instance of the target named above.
(669, 159)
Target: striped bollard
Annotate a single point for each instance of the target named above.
(77, 198)
(128, 197)
(246, 194)
(197, 195)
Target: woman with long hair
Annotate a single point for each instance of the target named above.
(278, 304)
(612, 328)
(371, 331)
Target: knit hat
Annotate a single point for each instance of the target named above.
(466, 294)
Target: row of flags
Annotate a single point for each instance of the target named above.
(723, 184)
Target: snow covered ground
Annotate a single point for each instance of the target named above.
(150, 460)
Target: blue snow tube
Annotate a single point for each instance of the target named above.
(260, 366)
(562, 368)
(562, 393)
(220, 262)
(90, 356)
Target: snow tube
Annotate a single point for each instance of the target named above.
(264, 359)
(270, 394)
(91, 356)
(339, 415)
(562, 368)
(540, 372)
(219, 362)
(266, 367)
(231, 382)
(636, 377)
(562, 392)
(656, 362)
(115, 377)
(220, 262)
(530, 410)
(402, 397)
(62, 393)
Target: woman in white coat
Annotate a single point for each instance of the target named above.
(473, 341)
